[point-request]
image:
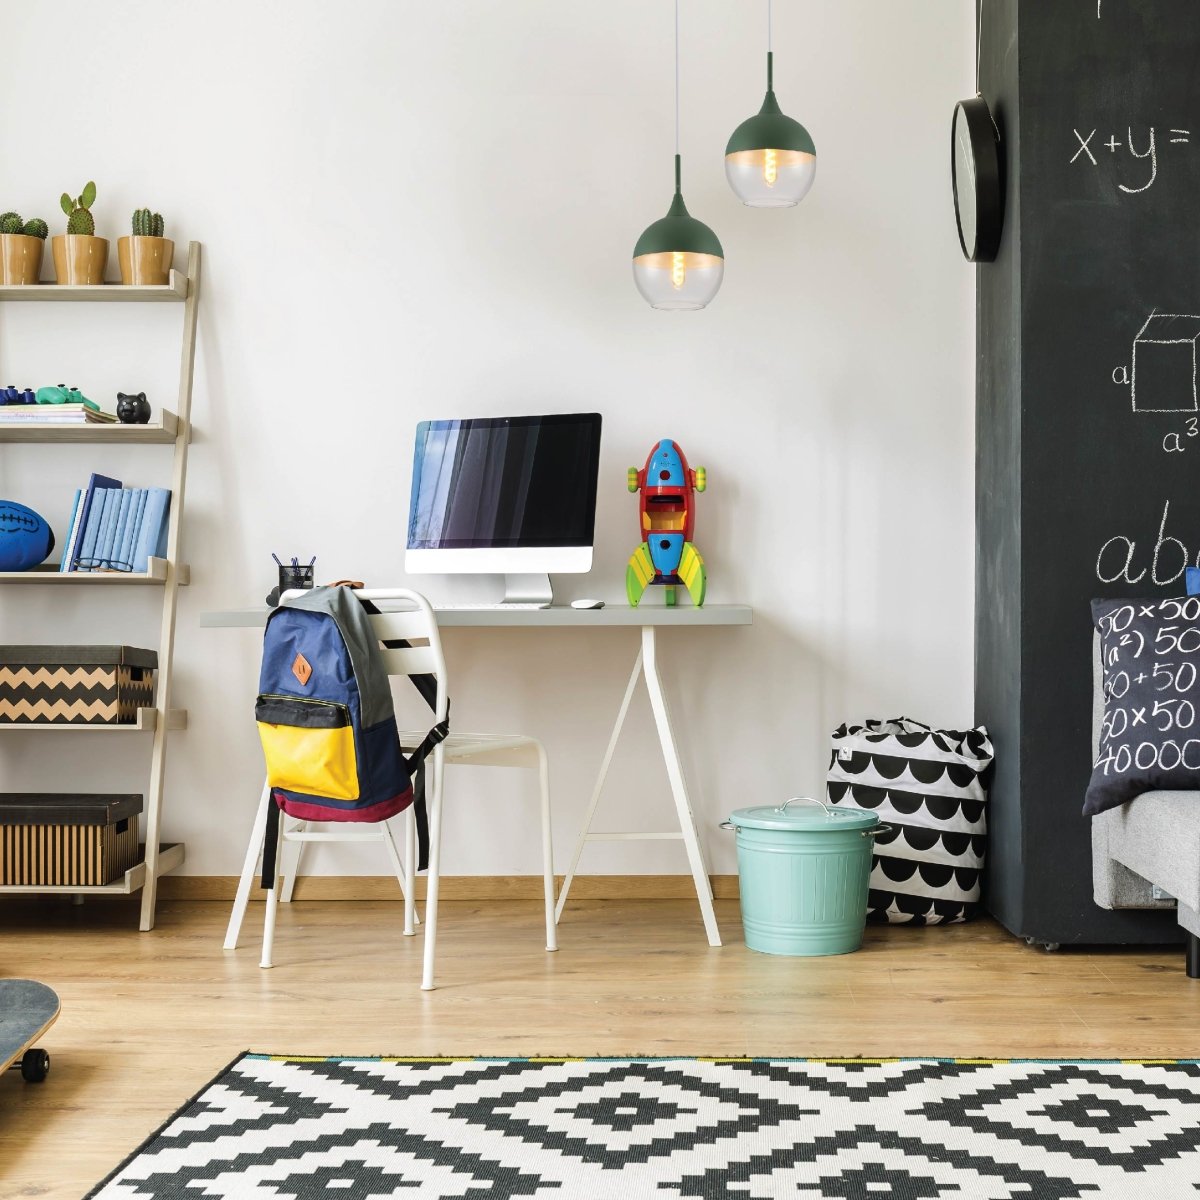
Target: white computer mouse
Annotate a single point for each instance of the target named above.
(587, 603)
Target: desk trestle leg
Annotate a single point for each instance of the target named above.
(646, 666)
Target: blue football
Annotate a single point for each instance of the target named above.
(25, 538)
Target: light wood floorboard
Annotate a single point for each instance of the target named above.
(149, 1018)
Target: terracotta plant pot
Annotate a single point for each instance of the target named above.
(20, 258)
(79, 258)
(145, 259)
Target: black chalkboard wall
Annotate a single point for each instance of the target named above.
(1088, 418)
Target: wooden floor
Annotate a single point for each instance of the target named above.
(149, 1018)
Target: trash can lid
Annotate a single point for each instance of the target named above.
(802, 813)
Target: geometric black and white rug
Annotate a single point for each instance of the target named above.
(273, 1128)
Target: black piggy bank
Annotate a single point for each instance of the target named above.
(133, 410)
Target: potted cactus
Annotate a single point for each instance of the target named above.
(145, 256)
(21, 246)
(79, 256)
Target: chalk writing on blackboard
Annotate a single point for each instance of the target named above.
(1163, 376)
(1143, 148)
(1120, 562)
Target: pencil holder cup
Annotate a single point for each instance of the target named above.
(300, 576)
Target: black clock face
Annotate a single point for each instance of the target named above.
(975, 168)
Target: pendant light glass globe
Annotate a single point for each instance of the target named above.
(678, 262)
(770, 160)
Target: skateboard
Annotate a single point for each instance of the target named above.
(27, 1010)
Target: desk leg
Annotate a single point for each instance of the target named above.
(646, 666)
(687, 822)
(585, 829)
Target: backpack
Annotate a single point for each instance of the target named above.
(327, 723)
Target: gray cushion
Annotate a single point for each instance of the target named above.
(1157, 836)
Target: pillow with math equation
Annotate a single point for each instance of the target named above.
(1150, 731)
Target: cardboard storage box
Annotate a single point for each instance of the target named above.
(75, 685)
(51, 839)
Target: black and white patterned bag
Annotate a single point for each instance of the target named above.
(928, 786)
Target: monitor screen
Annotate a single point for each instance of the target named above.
(505, 483)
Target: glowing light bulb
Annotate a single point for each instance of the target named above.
(770, 167)
(678, 270)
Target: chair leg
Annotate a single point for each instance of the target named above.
(1193, 956)
(433, 783)
(271, 908)
(547, 849)
(410, 872)
(249, 868)
(403, 876)
(291, 868)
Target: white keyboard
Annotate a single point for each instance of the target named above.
(487, 607)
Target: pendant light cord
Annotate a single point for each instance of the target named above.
(978, 42)
(676, 78)
(770, 56)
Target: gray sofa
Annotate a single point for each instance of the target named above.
(1146, 854)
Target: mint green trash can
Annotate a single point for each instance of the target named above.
(804, 874)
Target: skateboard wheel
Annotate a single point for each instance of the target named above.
(35, 1066)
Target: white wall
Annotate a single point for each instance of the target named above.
(422, 210)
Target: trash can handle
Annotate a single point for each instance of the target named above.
(802, 800)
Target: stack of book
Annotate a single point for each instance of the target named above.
(54, 414)
(115, 528)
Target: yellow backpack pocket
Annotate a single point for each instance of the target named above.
(309, 746)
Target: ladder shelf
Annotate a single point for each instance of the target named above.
(169, 573)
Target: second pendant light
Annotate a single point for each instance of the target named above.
(770, 160)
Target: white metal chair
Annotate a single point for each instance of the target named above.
(417, 625)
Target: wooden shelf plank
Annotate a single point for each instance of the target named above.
(170, 856)
(48, 573)
(172, 292)
(147, 721)
(162, 432)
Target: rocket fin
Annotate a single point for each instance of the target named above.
(638, 575)
(691, 571)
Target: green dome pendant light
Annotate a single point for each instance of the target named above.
(770, 161)
(678, 261)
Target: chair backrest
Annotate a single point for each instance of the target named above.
(414, 622)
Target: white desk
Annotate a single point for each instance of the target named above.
(649, 619)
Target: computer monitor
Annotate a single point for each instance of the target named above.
(505, 495)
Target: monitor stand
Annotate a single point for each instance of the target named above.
(528, 589)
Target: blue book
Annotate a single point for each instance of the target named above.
(94, 523)
(124, 552)
(152, 536)
(96, 483)
(70, 536)
(108, 551)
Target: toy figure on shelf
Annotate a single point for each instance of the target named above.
(666, 555)
(133, 408)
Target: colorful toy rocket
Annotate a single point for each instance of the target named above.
(666, 555)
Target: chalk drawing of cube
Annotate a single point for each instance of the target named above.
(1164, 364)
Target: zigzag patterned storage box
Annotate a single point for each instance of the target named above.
(53, 840)
(75, 685)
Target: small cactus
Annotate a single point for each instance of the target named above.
(147, 223)
(36, 227)
(79, 218)
(10, 222)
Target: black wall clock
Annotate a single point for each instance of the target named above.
(975, 174)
